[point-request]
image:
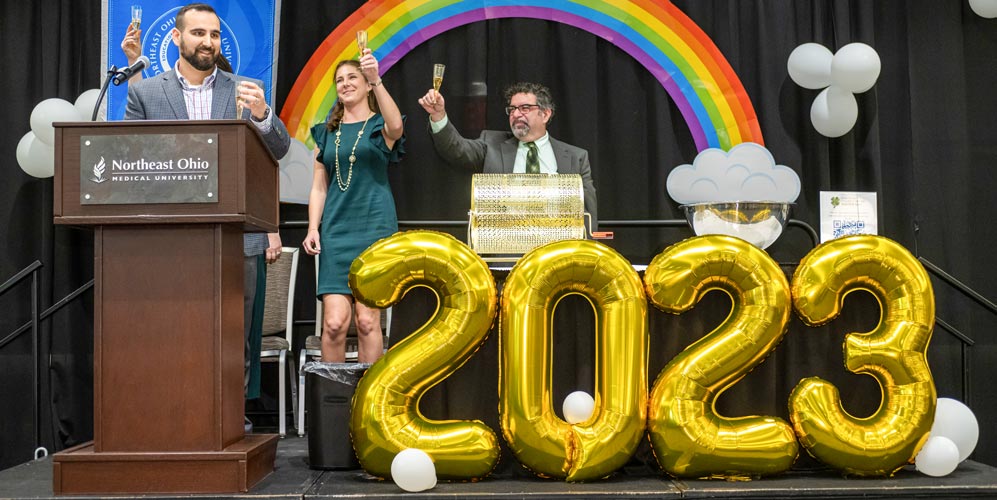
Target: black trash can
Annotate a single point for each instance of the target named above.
(330, 394)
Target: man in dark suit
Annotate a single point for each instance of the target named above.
(195, 89)
(526, 148)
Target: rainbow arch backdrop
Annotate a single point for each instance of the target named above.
(656, 33)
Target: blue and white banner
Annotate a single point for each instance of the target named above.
(250, 30)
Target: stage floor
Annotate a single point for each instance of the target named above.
(293, 479)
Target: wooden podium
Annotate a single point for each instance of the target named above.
(169, 202)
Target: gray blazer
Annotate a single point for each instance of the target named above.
(161, 98)
(495, 153)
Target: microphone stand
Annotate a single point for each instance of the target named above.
(103, 90)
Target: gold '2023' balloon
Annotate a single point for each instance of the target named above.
(894, 353)
(688, 437)
(386, 418)
(540, 440)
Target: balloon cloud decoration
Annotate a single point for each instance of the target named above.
(853, 69)
(36, 158)
(984, 8)
(938, 457)
(955, 421)
(952, 439)
(36, 149)
(86, 102)
(741, 192)
(810, 66)
(834, 112)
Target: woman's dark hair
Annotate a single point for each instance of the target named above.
(223, 63)
(338, 109)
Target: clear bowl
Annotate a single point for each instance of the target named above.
(757, 222)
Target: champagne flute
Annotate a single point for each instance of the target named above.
(136, 16)
(438, 70)
(362, 41)
(239, 103)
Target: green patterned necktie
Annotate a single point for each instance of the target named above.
(532, 158)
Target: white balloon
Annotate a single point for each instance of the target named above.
(413, 470)
(85, 102)
(810, 66)
(984, 8)
(855, 67)
(48, 112)
(834, 112)
(577, 407)
(938, 457)
(36, 158)
(955, 421)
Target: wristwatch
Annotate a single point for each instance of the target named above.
(265, 115)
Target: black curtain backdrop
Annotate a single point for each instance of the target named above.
(924, 141)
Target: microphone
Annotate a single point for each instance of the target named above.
(126, 73)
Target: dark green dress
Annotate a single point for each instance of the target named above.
(354, 219)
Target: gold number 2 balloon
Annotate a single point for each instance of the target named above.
(894, 353)
(540, 440)
(688, 437)
(386, 418)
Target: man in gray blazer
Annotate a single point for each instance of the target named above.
(526, 148)
(195, 89)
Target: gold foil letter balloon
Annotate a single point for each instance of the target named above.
(688, 437)
(386, 418)
(894, 353)
(540, 440)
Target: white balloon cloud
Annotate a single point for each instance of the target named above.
(938, 457)
(855, 67)
(984, 8)
(577, 407)
(85, 103)
(834, 112)
(955, 421)
(413, 470)
(810, 66)
(36, 158)
(747, 172)
(48, 112)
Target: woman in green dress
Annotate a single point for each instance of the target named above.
(351, 205)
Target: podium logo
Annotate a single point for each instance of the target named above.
(98, 171)
(158, 44)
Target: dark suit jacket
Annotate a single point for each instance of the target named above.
(161, 98)
(495, 153)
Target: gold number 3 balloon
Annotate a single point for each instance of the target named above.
(893, 353)
(540, 440)
(386, 418)
(688, 437)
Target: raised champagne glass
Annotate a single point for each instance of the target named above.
(240, 105)
(438, 70)
(362, 41)
(136, 16)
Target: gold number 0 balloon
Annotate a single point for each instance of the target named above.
(894, 353)
(539, 439)
(688, 437)
(386, 418)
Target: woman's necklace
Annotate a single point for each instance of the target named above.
(343, 186)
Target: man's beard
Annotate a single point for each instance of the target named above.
(198, 59)
(520, 129)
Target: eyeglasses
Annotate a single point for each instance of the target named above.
(523, 108)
